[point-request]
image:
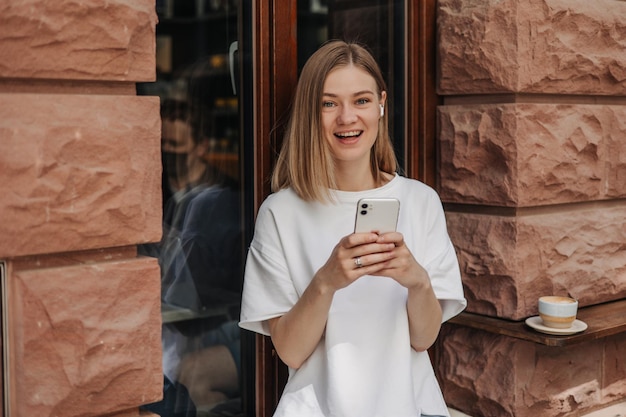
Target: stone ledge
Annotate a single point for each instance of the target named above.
(603, 320)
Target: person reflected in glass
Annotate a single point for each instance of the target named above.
(201, 266)
(351, 314)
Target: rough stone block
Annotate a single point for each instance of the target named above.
(532, 46)
(614, 380)
(78, 40)
(86, 175)
(484, 374)
(508, 262)
(518, 155)
(81, 335)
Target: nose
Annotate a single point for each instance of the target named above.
(346, 115)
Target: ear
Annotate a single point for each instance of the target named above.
(381, 103)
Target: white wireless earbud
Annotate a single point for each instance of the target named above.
(382, 110)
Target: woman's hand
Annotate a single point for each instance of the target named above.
(401, 264)
(296, 333)
(355, 255)
(423, 308)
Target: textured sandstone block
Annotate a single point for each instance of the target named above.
(532, 46)
(484, 374)
(78, 39)
(82, 335)
(518, 155)
(507, 262)
(614, 380)
(86, 174)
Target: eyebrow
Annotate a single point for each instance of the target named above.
(359, 93)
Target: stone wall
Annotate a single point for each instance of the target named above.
(80, 180)
(491, 375)
(533, 174)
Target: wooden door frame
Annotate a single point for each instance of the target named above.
(275, 76)
(421, 98)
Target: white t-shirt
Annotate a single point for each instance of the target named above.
(364, 366)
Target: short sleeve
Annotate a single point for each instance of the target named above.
(443, 264)
(446, 282)
(268, 290)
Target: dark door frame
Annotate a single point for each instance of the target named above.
(275, 74)
(422, 99)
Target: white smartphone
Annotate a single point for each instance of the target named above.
(377, 215)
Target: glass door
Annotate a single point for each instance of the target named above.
(205, 209)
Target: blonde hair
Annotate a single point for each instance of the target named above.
(305, 162)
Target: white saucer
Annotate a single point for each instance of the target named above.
(537, 324)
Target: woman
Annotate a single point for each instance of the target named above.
(351, 314)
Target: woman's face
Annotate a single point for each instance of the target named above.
(350, 113)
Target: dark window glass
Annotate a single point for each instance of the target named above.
(202, 250)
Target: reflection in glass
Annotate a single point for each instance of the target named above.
(202, 249)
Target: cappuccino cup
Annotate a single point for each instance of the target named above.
(558, 312)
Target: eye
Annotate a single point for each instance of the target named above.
(362, 101)
(328, 104)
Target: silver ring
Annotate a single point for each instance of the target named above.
(357, 262)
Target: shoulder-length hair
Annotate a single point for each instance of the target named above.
(305, 162)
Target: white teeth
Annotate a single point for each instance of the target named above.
(348, 134)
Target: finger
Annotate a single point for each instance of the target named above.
(377, 260)
(372, 248)
(358, 239)
(392, 237)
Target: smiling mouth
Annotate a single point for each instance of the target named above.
(353, 134)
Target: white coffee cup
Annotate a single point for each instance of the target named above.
(558, 312)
